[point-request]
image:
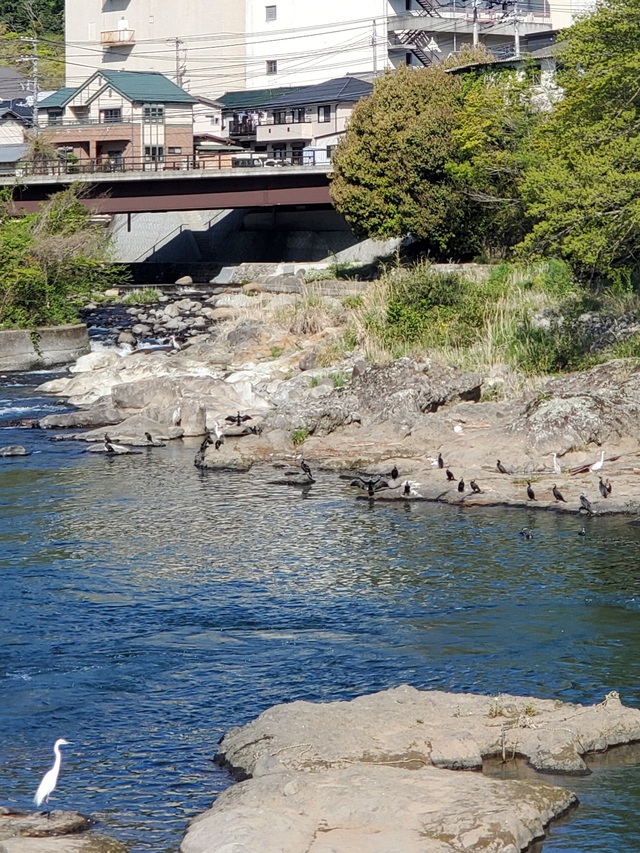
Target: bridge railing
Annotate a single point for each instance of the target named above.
(208, 162)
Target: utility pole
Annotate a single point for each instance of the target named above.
(180, 65)
(516, 31)
(476, 36)
(35, 80)
(374, 47)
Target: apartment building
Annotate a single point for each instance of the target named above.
(210, 47)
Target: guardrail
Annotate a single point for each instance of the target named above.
(208, 163)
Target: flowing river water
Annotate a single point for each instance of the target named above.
(148, 607)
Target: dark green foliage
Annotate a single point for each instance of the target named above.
(438, 309)
(22, 15)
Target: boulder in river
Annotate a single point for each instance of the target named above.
(376, 774)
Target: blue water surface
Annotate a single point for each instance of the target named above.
(148, 607)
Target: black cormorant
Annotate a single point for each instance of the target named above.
(555, 491)
(461, 486)
(450, 475)
(501, 467)
(530, 493)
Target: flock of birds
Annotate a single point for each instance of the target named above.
(376, 482)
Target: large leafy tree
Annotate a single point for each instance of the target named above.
(584, 187)
(439, 156)
(390, 171)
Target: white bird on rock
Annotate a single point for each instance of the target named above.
(556, 465)
(50, 778)
(597, 466)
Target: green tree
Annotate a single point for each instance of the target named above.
(50, 260)
(390, 171)
(583, 189)
(439, 156)
(498, 117)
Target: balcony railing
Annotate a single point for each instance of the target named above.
(113, 38)
(55, 122)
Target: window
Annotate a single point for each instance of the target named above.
(54, 117)
(175, 150)
(154, 153)
(272, 66)
(111, 116)
(271, 13)
(297, 116)
(153, 114)
(408, 59)
(280, 117)
(407, 5)
(324, 113)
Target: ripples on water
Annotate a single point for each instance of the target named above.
(148, 607)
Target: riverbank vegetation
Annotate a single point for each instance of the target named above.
(50, 261)
(26, 19)
(487, 163)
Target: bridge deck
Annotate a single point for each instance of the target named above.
(164, 190)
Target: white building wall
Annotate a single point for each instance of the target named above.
(313, 42)
(207, 56)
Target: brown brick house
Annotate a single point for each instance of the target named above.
(121, 118)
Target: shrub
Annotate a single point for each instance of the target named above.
(148, 296)
(299, 436)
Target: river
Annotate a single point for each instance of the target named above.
(148, 607)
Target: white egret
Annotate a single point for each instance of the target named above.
(597, 466)
(50, 778)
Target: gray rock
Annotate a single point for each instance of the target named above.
(185, 279)
(126, 338)
(140, 330)
(308, 360)
(14, 450)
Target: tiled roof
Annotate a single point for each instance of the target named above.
(252, 98)
(13, 152)
(59, 98)
(330, 92)
(148, 86)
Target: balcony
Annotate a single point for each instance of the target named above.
(242, 127)
(273, 131)
(117, 38)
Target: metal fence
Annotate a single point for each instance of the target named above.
(209, 162)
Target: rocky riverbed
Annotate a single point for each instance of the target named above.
(264, 358)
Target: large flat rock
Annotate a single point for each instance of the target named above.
(381, 773)
(376, 809)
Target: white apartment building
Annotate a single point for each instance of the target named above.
(210, 47)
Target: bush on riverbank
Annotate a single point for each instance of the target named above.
(535, 318)
(50, 261)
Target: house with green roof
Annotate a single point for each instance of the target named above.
(120, 117)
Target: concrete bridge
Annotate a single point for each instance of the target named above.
(159, 189)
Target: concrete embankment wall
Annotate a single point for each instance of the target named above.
(21, 349)
(241, 236)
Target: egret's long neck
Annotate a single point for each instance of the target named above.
(58, 761)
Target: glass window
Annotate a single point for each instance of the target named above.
(111, 116)
(272, 66)
(280, 117)
(154, 153)
(54, 117)
(175, 150)
(153, 114)
(271, 13)
(324, 113)
(297, 116)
